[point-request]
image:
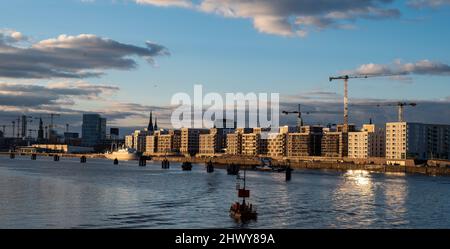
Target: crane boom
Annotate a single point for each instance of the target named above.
(400, 106)
(346, 78)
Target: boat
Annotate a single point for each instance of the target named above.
(243, 212)
(186, 166)
(233, 169)
(124, 154)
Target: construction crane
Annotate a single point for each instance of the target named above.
(299, 114)
(346, 78)
(400, 106)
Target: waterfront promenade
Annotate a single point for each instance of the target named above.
(430, 167)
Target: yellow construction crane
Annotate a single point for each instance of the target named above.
(346, 78)
(400, 106)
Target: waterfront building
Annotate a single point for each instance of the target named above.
(250, 144)
(129, 141)
(151, 144)
(405, 140)
(93, 129)
(369, 142)
(169, 143)
(214, 142)
(190, 140)
(307, 142)
(234, 141)
(276, 144)
(334, 144)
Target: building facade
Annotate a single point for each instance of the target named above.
(334, 144)
(406, 140)
(93, 129)
(190, 140)
(369, 142)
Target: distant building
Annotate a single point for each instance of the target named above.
(114, 133)
(167, 142)
(190, 140)
(406, 140)
(72, 138)
(307, 142)
(93, 129)
(234, 141)
(334, 144)
(369, 142)
(276, 144)
(61, 148)
(214, 142)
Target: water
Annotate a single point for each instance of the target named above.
(67, 194)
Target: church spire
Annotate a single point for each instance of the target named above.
(156, 123)
(150, 123)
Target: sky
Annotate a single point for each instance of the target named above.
(123, 58)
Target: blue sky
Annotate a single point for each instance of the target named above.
(231, 54)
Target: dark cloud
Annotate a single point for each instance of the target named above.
(361, 110)
(66, 56)
(28, 95)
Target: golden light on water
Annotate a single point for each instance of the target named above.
(360, 177)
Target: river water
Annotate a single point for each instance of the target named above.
(98, 194)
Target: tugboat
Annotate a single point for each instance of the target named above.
(186, 166)
(243, 212)
(233, 169)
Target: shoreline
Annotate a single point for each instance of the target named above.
(223, 162)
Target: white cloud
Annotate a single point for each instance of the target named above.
(290, 17)
(398, 68)
(428, 3)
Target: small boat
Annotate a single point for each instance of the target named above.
(125, 154)
(233, 169)
(243, 212)
(186, 166)
(265, 168)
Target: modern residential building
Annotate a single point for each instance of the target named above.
(307, 142)
(369, 142)
(251, 144)
(215, 142)
(276, 144)
(334, 144)
(190, 140)
(234, 141)
(405, 140)
(151, 144)
(93, 129)
(169, 143)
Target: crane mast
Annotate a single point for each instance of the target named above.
(346, 78)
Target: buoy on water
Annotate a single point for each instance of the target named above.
(116, 162)
(83, 159)
(56, 158)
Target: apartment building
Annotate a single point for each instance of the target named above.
(405, 140)
(190, 140)
(369, 142)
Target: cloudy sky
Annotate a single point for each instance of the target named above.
(123, 58)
